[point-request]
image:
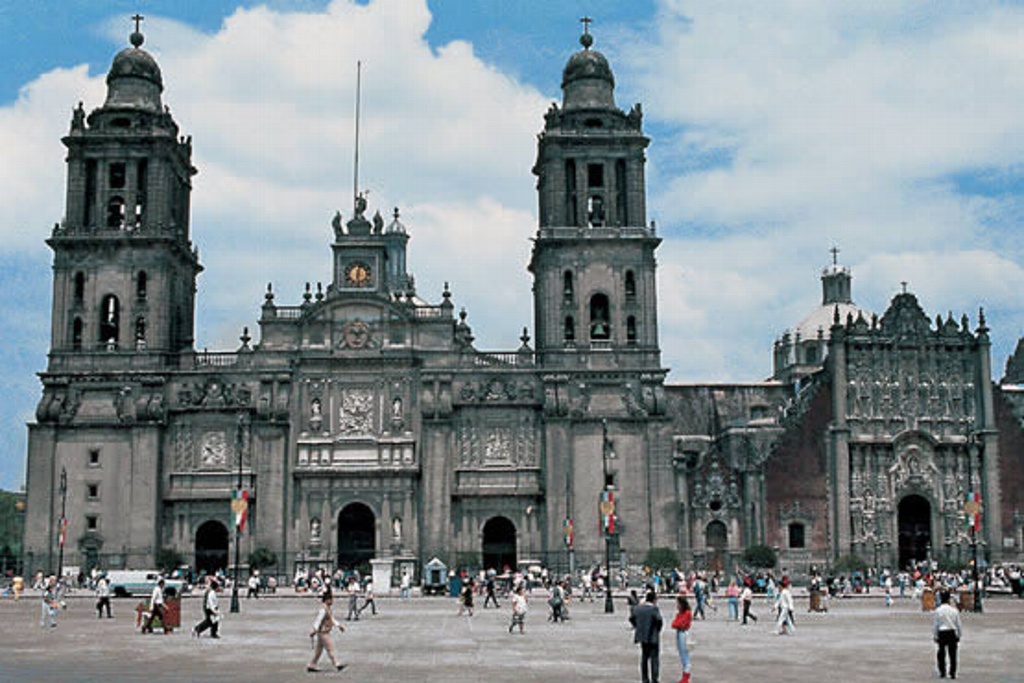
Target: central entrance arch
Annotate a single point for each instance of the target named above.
(716, 540)
(211, 547)
(915, 529)
(499, 544)
(356, 536)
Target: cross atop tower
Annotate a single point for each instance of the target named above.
(835, 255)
(903, 284)
(586, 21)
(137, 19)
(586, 40)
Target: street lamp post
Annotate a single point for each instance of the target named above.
(607, 453)
(972, 510)
(62, 526)
(238, 527)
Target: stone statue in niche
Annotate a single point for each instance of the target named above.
(316, 418)
(314, 531)
(396, 530)
(397, 419)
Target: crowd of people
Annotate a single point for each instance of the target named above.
(696, 595)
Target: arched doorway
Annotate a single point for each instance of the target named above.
(357, 535)
(499, 544)
(716, 540)
(915, 529)
(211, 547)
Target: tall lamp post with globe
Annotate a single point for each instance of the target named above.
(606, 510)
(239, 508)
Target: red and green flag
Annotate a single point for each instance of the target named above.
(239, 508)
(606, 508)
(972, 511)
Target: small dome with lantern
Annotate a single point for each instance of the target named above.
(587, 80)
(134, 80)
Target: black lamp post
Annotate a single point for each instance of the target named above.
(607, 453)
(62, 526)
(240, 501)
(972, 509)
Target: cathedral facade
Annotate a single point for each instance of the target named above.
(363, 424)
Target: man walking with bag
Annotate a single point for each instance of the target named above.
(211, 612)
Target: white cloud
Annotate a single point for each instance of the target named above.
(793, 126)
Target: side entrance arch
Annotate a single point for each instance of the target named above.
(716, 540)
(211, 547)
(915, 529)
(357, 534)
(499, 544)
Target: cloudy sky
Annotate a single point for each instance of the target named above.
(893, 130)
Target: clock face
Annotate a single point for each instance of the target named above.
(358, 275)
(214, 450)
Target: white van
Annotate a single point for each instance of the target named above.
(125, 582)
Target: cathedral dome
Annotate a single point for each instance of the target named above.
(134, 79)
(587, 80)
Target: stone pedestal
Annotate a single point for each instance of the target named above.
(382, 570)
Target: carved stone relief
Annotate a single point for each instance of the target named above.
(491, 442)
(356, 413)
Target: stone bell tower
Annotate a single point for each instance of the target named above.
(593, 257)
(124, 269)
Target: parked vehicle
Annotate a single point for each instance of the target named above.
(125, 582)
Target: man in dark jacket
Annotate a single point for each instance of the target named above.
(647, 624)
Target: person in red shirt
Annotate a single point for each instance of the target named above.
(682, 623)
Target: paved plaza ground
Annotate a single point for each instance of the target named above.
(423, 640)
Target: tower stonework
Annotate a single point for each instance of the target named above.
(124, 281)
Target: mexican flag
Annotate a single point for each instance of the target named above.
(239, 507)
(972, 511)
(63, 530)
(606, 509)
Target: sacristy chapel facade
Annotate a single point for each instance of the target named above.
(364, 424)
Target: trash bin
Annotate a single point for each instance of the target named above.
(455, 585)
(927, 600)
(172, 613)
(966, 601)
(816, 601)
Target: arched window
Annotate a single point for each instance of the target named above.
(76, 334)
(570, 328)
(600, 328)
(115, 212)
(141, 283)
(570, 193)
(110, 321)
(631, 330)
(796, 535)
(567, 285)
(630, 284)
(621, 202)
(140, 333)
(79, 287)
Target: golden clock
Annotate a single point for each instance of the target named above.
(358, 275)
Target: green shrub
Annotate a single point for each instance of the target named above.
(760, 556)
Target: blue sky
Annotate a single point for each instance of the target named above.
(892, 129)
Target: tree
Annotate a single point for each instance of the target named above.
(661, 558)
(261, 558)
(760, 556)
(169, 559)
(847, 564)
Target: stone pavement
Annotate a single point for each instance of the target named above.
(423, 640)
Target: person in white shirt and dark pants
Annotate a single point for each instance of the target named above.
(946, 632)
